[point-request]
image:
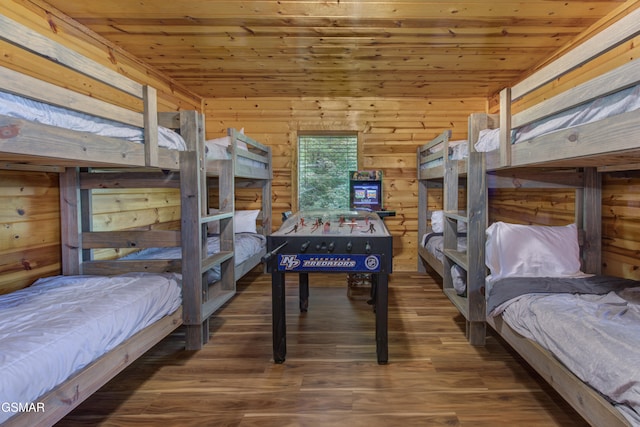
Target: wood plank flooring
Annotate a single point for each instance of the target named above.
(330, 377)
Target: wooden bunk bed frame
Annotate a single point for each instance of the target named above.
(253, 177)
(225, 175)
(608, 144)
(471, 173)
(429, 178)
(199, 174)
(452, 175)
(28, 146)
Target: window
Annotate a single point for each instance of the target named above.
(324, 162)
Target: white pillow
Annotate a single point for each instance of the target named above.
(514, 250)
(488, 140)
(243, 222)
(437, 223)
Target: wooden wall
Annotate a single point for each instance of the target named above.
(621, 224)
(390, 130)
(29, 227)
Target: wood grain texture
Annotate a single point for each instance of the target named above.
(347, 48)
(389, 131)
(434, 377)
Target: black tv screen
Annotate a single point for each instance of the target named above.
(366, 195)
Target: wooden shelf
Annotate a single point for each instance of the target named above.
(215, 259)
(458, 257)
(461, 303)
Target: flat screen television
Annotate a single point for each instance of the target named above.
(366, 195)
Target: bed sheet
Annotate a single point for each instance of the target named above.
(61, 324)
(620, 102)
(434, 242)
(596, 336)
(28, 109)
(246, 245)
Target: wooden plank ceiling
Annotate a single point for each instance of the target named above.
(340, 48)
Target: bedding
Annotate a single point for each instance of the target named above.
(60, 324)
(458, 150)
(616, 103)
(592, 325)
(28, 109)
(515, 250)
(246, 245)
(459, 280)
(244, 221)
(434, 242)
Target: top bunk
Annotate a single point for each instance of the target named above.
(45, 124)
(596, 123)
(431, 156)
(251, 159)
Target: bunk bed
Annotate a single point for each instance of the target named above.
(430, 166)
(557, 346)
(216, 245)
(455, 250)
(252, 169)
(91, 319)
(250, 163)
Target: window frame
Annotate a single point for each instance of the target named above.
(295, 141)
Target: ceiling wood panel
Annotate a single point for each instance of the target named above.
(340, 48)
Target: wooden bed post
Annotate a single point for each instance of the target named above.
(592, 213)
(422, 209)
(191, 231)
(477, 224)
(267, 208)
(193, 193)
(505, 127)
(150, 100)
(70, 235)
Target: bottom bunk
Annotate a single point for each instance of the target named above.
(431, 250)
(75, 333)
(581, 332)
(248, 251)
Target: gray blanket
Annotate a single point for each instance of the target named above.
(511, 287)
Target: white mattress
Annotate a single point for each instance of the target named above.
(39, 112)
(616, 103)
(596, 336)
(61, 324)
(246, 245)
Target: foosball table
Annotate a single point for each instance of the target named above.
(334, 241)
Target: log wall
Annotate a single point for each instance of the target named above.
(390, 130)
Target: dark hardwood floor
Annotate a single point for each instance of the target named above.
(330, 377)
